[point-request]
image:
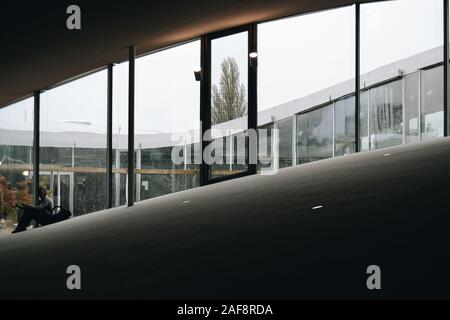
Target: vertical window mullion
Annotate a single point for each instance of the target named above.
(109, 138)
(36, 144)
(131, 80)
(253, 96)
(357, 75)
(446, 60)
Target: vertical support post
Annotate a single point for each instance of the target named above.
(252, 115)
(357, 75)
(205, 112)
(132, 57)
(36, 144)
(446, 60)
(109, 138)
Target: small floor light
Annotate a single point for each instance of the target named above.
(198, 75)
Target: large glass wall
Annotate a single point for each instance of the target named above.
(167, 119)
(229, 104)
(305, 93)
(16, 145)
(399, 38)
(73, 144)
(120, 134)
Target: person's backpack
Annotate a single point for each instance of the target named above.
(60, 213)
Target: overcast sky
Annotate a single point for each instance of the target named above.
(297, 56)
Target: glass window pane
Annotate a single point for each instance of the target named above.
(315, 135)
(294, 58)
(364, 121)
(297, 72)
(412, 107)
(265, 140)
(167, 121)
(392, 31)
(386, 122)
(285, 143)
(120, 134)
(398, 38)
(73, 144)
(432, 103)
(344, 126)
(16, 145)
(229, 103)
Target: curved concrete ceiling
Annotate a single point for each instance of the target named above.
(38, 51)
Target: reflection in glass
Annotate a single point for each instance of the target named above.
(432, 117)
(411, 108)
(265, 140)
(364, 120)
(315, 134)
(344, 126)
(285, 142)
(386, 122)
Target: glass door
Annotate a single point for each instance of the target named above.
(229, 112)
(59, 187)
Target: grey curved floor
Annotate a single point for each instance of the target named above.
(258, 237)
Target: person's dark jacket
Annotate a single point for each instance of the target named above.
(44, 205)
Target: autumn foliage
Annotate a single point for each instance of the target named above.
(9, 196)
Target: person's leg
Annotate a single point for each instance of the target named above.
(42, 218)
(25, 219)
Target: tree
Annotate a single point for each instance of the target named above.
(23, 193)
(7, 198)
(229, 102)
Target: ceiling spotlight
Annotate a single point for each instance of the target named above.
(253, 60)
(198, 75)
(317, 207)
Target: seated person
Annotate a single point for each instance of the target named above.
(40, 212)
